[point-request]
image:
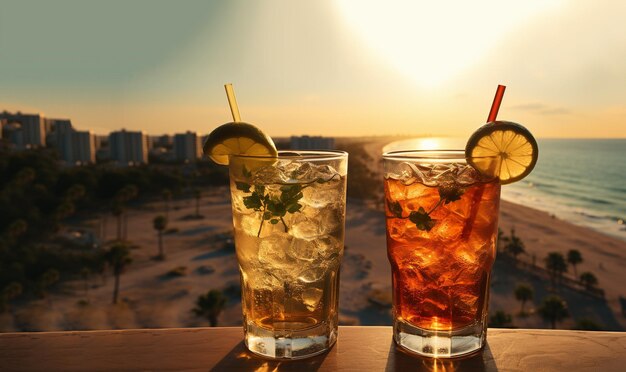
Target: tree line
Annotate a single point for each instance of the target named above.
(38, 196)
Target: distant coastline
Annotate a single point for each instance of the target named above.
(577, 180)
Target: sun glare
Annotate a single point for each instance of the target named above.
(432, 41)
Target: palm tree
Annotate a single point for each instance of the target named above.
(210, 306)
(515, 245)
(17, 228)
(129, 192)
(124, 195)
(588, 280)
(523, 293)
(11, 291)
(118, 257)
(500, 320)
(117, 209)
(167, 198)
(502, 240)
(556, 265)
(197, 194)
(65, 210)
(85, 273)
(160, 223)
(75, 192)
(553, 309)
(574, 257)
(49, 278)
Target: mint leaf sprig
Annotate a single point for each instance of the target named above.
(421, 218)
(274, 208)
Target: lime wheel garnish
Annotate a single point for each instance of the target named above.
(502, 149)
(238, 139)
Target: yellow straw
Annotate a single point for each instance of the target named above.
(232, 102)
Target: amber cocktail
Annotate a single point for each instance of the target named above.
(442, 223)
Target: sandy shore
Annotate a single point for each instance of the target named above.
(151, 298)
(603, 255)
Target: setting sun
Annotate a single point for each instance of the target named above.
(431, 42)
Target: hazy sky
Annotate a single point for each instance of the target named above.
(341, 67)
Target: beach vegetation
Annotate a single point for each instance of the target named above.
(85, 274)
(210, 305)
(586, 324)
(523, 293)
(574, 257)
(160, 224)
(553, 310)
(556, 266)
(166, 194)
(589, 280)
(9, 293)
(501, 319)
(38, 196)
(47, 280)
(118, 257)
(502, 240)
(197, 195)
(515, 245)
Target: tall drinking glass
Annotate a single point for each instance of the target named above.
(442, 224)
(289, 214)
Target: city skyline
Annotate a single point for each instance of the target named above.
(333, 68)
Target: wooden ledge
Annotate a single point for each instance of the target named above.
(357, 349)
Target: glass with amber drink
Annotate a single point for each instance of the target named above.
(442, 225)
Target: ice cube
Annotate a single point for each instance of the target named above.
(272, 251)
(330, 219)
(449, 225)
(303, 249)
(311, 298)
(327, 245)
(467, 175)
(304, 227)
(268, 175)
(239, 206)
(313, 273)
(249, 223)
(322, 195)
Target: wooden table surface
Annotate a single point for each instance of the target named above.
(358, 349)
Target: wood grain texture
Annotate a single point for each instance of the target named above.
(358, 349)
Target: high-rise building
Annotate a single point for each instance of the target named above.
(162, 141)
(83, 147)
(32, 127)
(187, 146)
(128, 148)
(61, 138)
(75, 147)
(312, 143)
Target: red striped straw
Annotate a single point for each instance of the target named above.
(469, 223)
(495, 106)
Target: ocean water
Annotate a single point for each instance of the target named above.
(582, 181)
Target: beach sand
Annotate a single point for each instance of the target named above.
(151, 298)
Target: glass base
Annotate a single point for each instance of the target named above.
(291, 341)
(439, 344)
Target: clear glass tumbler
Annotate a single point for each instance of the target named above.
(289, 216)
(442, 225)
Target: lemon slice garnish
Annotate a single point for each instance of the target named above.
(502, 149)
(238, 139)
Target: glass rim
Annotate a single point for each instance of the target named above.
(315, 155)
(404, 155)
